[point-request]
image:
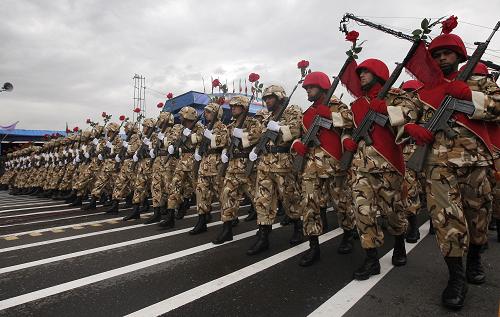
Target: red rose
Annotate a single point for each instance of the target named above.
(68, 130)
(170, 95)
(137, 110)
(352, 36)
(303, 64)
(122, 117)
(75, 129)
(215, 83)
(449, 24)
(104, 114)
(89, 121)
(160, 105)
(253, 77)
(221, 101)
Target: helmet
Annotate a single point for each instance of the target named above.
(113, 127)
(215, 107)
(131, 125)
(276, 90)
(240, 101)
(319, 79)
(97, 131)
(480, 69)
(376, 67)
(411, 85)
(149, 122)
(165, 117)
(449, 41)
(188, 113)
(86, 135)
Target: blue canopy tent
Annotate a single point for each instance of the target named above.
(9, 138)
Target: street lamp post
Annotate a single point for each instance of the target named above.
(7, 87)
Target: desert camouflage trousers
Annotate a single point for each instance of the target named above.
(274, 186)
(378, 193)
(69, 176)
(413, 192)
(235, 187)
(104, 178)
(182, 187)
(208, 190)
(458, 201)
(124, 181)
(142, 183)
(86, 177)
(317, 192)
(162, 174)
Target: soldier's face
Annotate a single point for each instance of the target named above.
(313, 93)
(145, 130)
(187, 123)
(446, 59)
(236, 111)
(271, 102)
(365, 77)
(209, 115)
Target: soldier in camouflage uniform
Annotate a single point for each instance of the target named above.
(208, 186)
(458, 188)
(124, 165)
(161, 170)
(70, 167)
(79, 162)
(275, 178)
(236, 184)
(322, 167)
(107, 156)
(379, 168)
(182, 144)
(143, 163)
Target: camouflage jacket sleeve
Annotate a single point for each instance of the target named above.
(173, 135)
(402, 108)
(117, 145)
(219, 139)
(252, 130)
(197, 134)
(291, 123)
(341, 114)
(486, 98)
(133, 144)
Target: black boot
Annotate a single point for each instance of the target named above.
(47, 193)
(281, 210)
(313, 254)
(155, 217)
(262, 242)
(399, 253)
(412, 233)
(145, 205)
(36, 191)
(103, 199)
(235, 222)
(114, 208)
(91, 205)
(169, 221)
(371, 266)
(136, 213)
(76, 202)
(70, 197)
(324, 220)
(226, 234)
(474, 269)
(183, 208)
(285, 221)
(493, 225)
(208, 217)
(201, 225)
(128, 201)
(252, 214)
(297, 235)
(346, 244)
(55, 194)
(431, 227)
(453, 295)
(498, 229)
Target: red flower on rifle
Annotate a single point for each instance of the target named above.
(352, 36)
(253, 77)
(137, 110)
(104, 114)
(160, 105)
(449, 24)
(89, 121)
(68, 130)
(303, 64)
(215, 83)
(76, 129)
(122, 117)
(221, 101)
(170, 95)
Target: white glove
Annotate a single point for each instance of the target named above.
(252, 155)
(70, 151)
(208, 134)
(152, 153)
(273, 125)
(146, 141)
(56, 155)
(65, 152)
(46, 164)
(84, 147)
(224, 158)
(237, 132)
(86, 154)
(161, 136)
(100, 157)
(129, 147)
(77, 159)
(74, 161)
(197, 156)
(117, 158)
(125, 144)
(60, 163)
(108, 144)
(170, 149)
(186, 132)
(95, 141)
(135, 157)
(29, 165)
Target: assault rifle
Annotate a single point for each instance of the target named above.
(205, 142)
(181, 140)
(443, 115)
(123, 149)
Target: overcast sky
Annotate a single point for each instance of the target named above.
(71, 60)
